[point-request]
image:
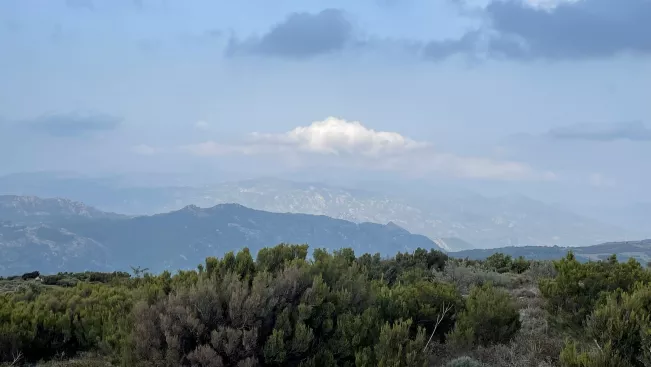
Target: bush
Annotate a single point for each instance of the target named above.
(464, 362)
(465, 275)
(622, 323)
(490, 317)
(573, 294)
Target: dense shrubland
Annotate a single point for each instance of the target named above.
(284, 308)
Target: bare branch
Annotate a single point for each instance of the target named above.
(595, 341)
(439, 319)
(17, 357)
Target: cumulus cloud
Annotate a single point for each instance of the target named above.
(301, 35)
(73, 124)
(351, 143)
(336, 136)
(635, 131)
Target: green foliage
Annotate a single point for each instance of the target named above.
(490, 317)
(574, 293)
(64, 320)
(395, 348)
(595, 357)
(502, 263)
(335, 309)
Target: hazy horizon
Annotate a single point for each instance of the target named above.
(547, 99)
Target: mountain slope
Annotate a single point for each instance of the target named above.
(184, 238)
(29, 248)
(36, 210)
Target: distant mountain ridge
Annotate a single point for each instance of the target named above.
(455, 220)
(639, 250)
(181, 239)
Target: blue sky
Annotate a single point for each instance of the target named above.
(549, 98)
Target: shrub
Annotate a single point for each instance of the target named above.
(579, 287)
(464, 362)
(464, 275)
(623, 324)
(490, 317)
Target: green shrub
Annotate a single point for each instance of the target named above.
(623, 324)
(490, 317)
(573, 294)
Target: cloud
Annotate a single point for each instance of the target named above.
(73, 124)
(301, 35)
(576, 29)
(336, 136)
(553, 30)
(144, 149)
(349, 143)
(635, 131)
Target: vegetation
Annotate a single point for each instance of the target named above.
(282, 308)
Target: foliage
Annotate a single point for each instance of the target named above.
(490, 317)
(464, 362)
(574, 293)
(464, 275)
(282, 308)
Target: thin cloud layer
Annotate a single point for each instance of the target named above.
(351, 143)
(301, 35)
(635, 131)
(72, 124)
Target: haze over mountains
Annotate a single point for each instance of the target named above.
(455, 220)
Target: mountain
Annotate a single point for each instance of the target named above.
(639, 250)
(184, 238)
(35, 210)
(455, 219)
(41, 247)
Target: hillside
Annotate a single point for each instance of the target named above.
(28, 248)
(640, 250)
(32, 209)
(184, 238)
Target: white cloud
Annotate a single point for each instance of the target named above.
(144, 149)
(352, 144)
(337, 136)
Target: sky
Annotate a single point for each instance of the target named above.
(546, 97)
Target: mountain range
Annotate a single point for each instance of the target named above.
(454, 220)
(52, 235)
